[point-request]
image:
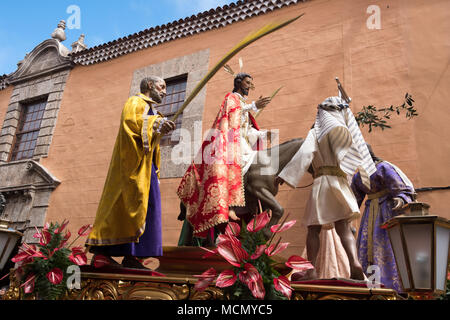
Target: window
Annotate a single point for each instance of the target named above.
(28, 131)
(176, 93)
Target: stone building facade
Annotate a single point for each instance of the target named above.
(82, 92)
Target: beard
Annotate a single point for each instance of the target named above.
(155, 96)
(244, 91)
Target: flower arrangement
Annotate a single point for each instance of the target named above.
(42, 268)
(249, 252)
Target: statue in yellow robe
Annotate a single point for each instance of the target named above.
(121, 218)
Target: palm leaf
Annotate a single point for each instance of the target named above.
(228, 69)
(271, 97)
(267, 29)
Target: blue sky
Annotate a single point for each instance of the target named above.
(26, 23)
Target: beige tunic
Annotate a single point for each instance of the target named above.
(331, 197)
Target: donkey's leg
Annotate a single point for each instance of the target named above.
(269, 200)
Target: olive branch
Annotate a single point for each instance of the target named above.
(374, 117)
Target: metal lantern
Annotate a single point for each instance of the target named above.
(421, 247)
(8, 240)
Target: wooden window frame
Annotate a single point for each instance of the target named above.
(21, 124)
(167, 140)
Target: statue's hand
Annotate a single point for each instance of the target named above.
(278, 181)
(262, 102)
(233, 215)
(397, 203)
(168, 126)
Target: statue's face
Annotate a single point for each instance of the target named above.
(246, 85)
(158, 91)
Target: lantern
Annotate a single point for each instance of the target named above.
(8, 240)
(421, 248)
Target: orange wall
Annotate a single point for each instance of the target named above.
(5, 96)
(409, 54)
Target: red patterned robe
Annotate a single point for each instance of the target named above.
(214, 181)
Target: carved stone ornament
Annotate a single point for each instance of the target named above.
(48, 57)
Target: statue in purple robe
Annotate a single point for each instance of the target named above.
(390, 189)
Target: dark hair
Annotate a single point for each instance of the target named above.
(238, 80)
(144, 83)
(372, 154)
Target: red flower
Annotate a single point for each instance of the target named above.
(61, 227)
(227, 237)
(55, 276)
(209, 252)
(249, 274)
(225, 279)
(251, 277)
(45, 238)
(232, 252)
(39, 254)
(283, 285)
(259, 251)
(299, 264)
(85, 230)
(273, 249)
(65, 239)
(28, 285)
(233, 229)
(258, 222)
(100, 261)
(26, 254)
(282, 227)
(206, 278)
(78, 256)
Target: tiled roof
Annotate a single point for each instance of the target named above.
(205, 21)
(3, 82)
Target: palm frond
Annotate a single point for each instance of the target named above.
(228, 69)
(267, 29)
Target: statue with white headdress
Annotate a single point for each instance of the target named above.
(333, 150)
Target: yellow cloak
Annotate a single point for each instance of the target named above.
(123, 205)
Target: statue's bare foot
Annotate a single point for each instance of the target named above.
(310, 274)
(356, 273)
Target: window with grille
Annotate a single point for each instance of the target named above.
(28, 131)
(176, 93)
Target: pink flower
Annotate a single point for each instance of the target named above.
(28, 285)
(251, 277)
(258, 252)
(206, 278)
(233, 229)
(282, 227)
(78, 256)
(62, 226)
(273, 249)
(257, 289)
(258, 222)
(232, 252)
(225, 279)
(85, 230)
(249, 274)
(55, 276)
(283, 285)
(299, 264)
